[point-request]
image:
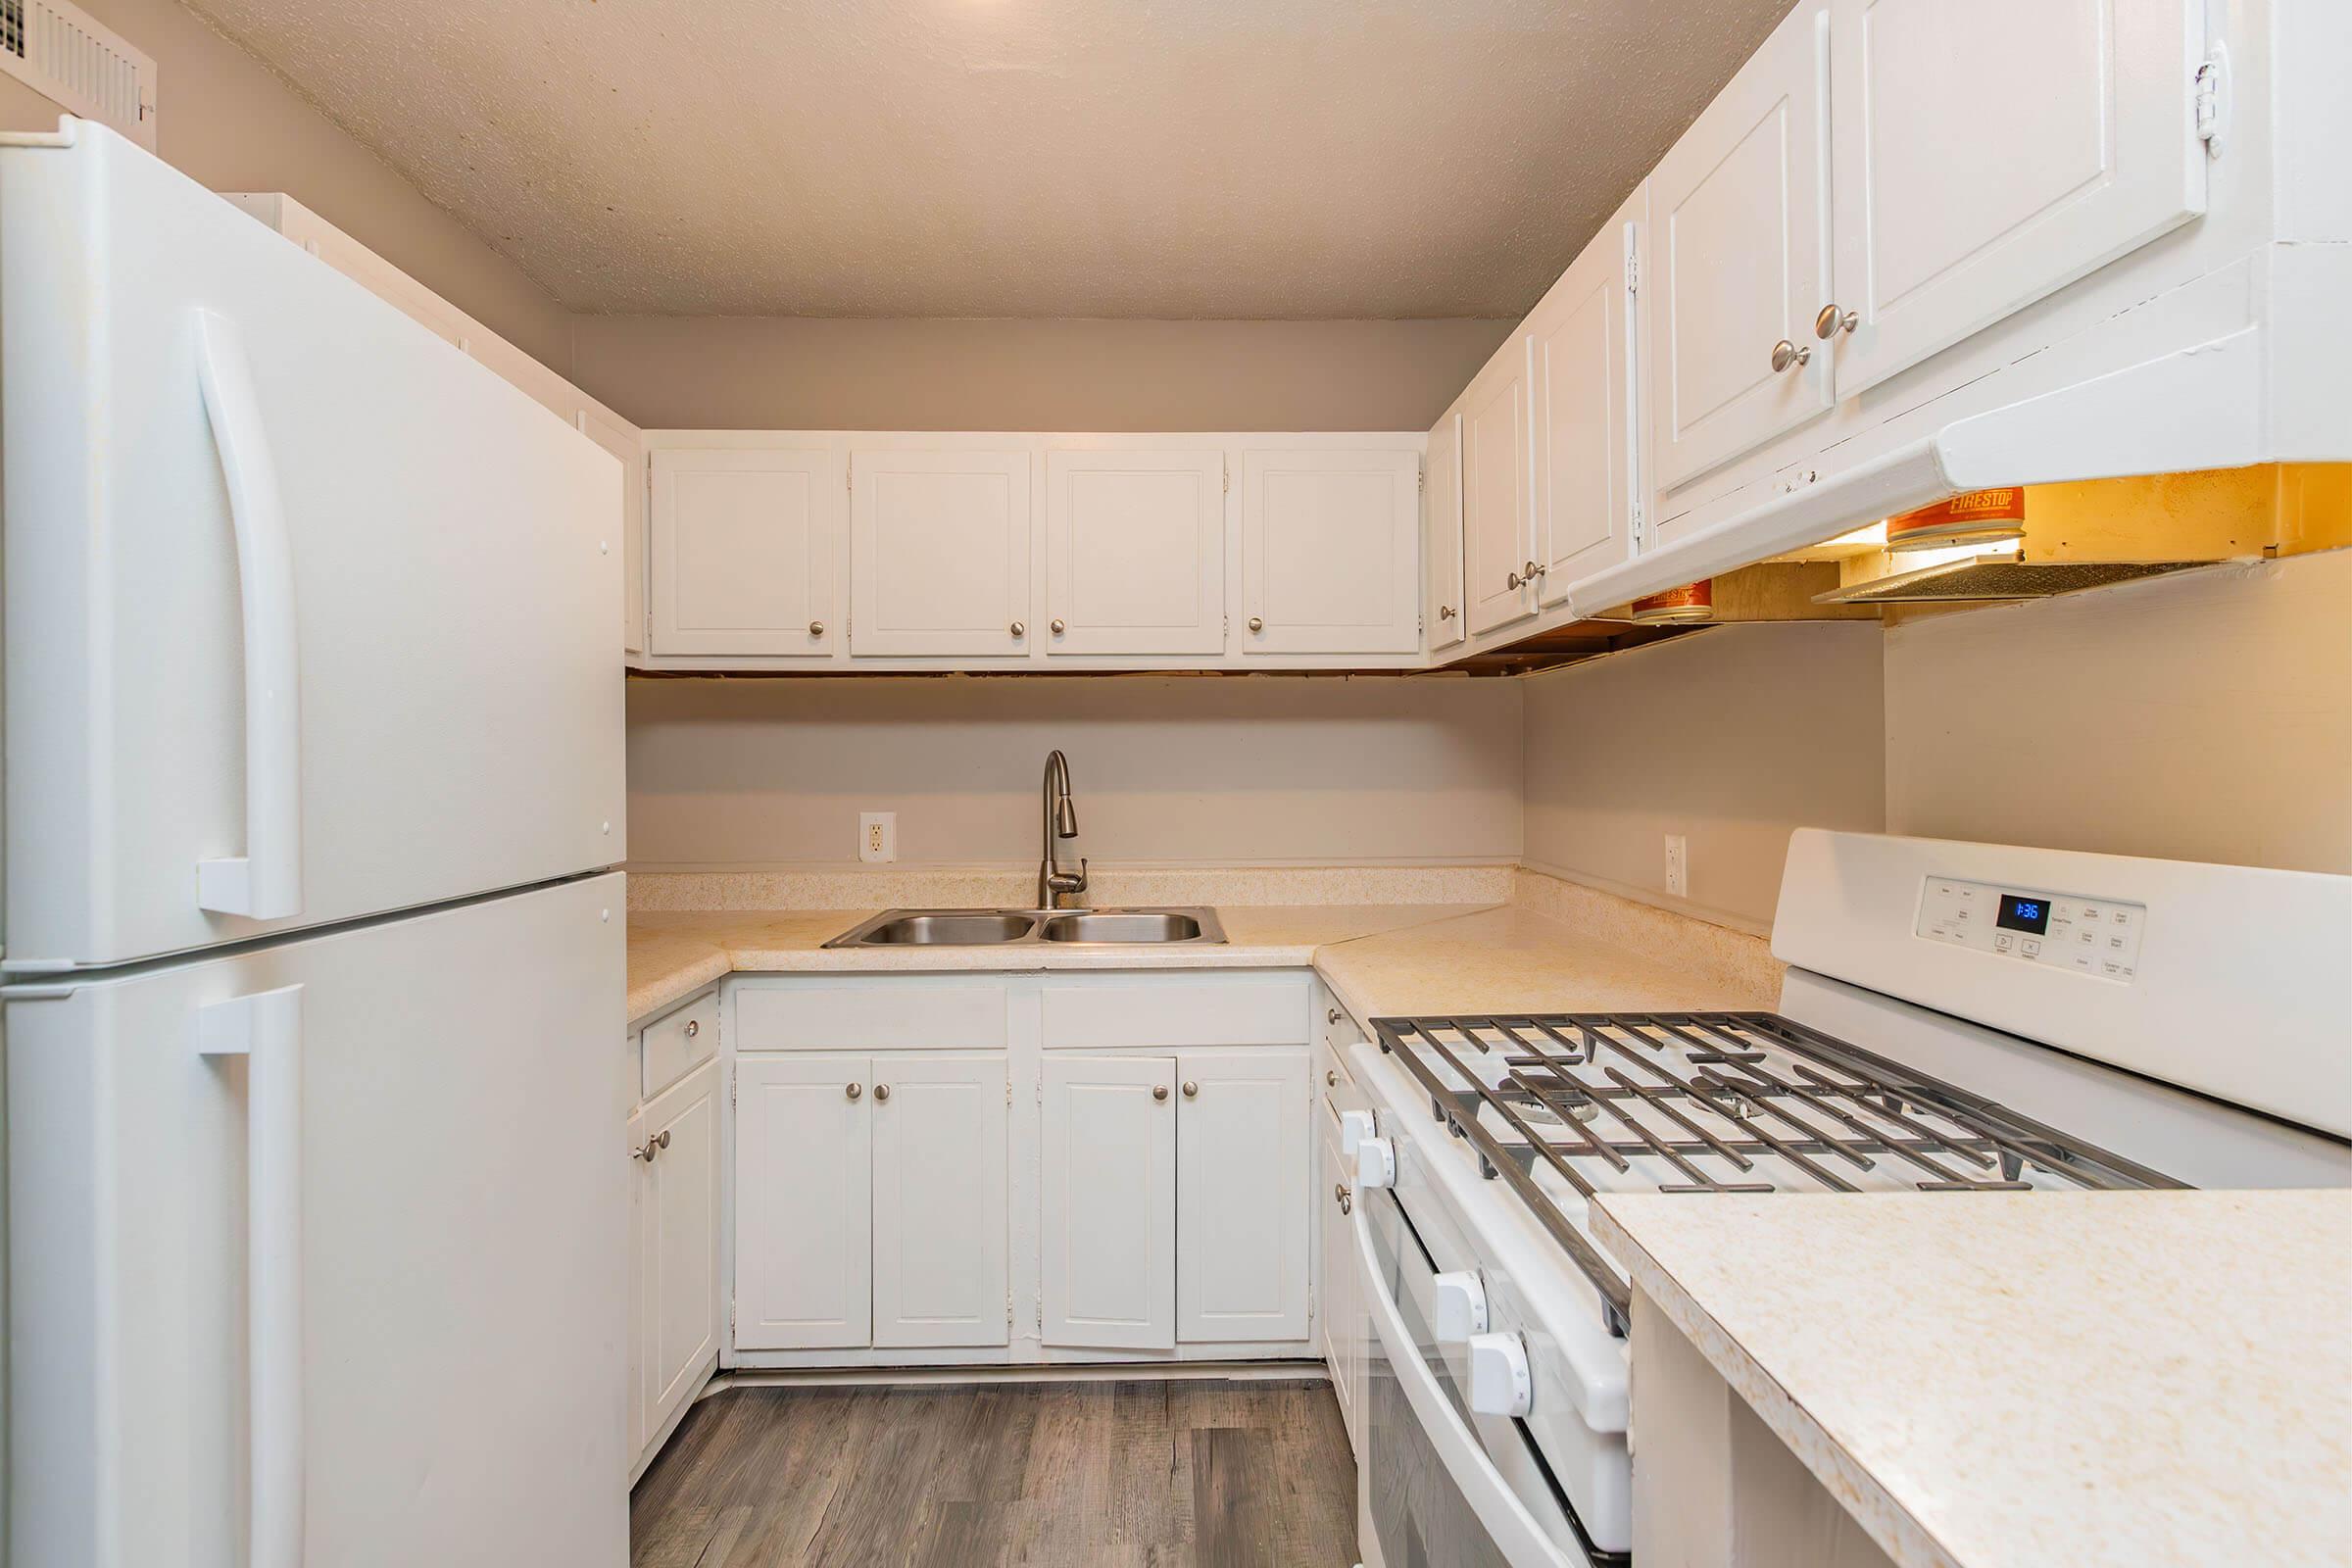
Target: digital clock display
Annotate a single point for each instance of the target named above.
(2024, 913)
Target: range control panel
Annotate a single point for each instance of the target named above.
(2098, 937)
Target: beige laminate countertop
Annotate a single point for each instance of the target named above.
(1382, 959)
(2083, 1379)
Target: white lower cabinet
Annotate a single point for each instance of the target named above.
(804, 1173)
(1108, 1236)
(870, 1200)
(677, 1143)
(1343, 1341)
(1244, 1264)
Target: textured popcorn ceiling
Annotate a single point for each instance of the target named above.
(1042, 158)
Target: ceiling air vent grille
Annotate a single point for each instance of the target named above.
(62, 53)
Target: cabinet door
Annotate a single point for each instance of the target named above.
(618, 436)
(802, 1203)
(939, 553)
(1243, 1164)
(1134, 551)
(679, 1244)
(1581, 358)
(1343, 1348)
(939, 1236)
(1946, 220)
(1441, 505)
(1498, 527)
(1331, 545)
(744, 546)
(1738, 207)
(638, 1269)
(1108, 1236)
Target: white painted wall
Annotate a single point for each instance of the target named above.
(1733, 738)
(1203, 770)
(2200, 717)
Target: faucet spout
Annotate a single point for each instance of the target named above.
(1059, 820)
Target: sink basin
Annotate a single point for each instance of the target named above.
(1003, 928)
(1123, 925)
(958, 929)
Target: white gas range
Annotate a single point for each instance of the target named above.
(1957, 1017)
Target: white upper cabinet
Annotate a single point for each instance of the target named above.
(1331, 551)
(1581, 355)
(743, 545)
(623, 439)
(1134, 551)
(940, 1239)
(1441, 505)
(939, 551)
(1739, 207)
(2081, 146)
(1498, 521)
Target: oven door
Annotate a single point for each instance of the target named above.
(1438, 1487)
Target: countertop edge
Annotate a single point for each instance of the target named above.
(1882, 1516)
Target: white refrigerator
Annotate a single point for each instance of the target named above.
(314, 977)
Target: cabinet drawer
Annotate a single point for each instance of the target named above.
(1229, 1010)
(954, 1016)
(676, 1043)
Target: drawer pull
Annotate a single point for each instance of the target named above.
(1340, 1195)
(694, 1026)
(1331, 1077)
(1331, 1015)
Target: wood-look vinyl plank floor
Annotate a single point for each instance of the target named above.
(1043, 1475)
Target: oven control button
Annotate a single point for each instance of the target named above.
(1461, 1308)
(1500, 1382)
(1354, 1127)
(1375, 1163)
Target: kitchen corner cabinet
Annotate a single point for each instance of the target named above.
(1741, 207)
(1343, 1351)
(1331, 551)
(744, 542)
(1580, 344)
(939, 553)
(1499, 519)
(1135, 551)
(870, 1200)
(1442, 509)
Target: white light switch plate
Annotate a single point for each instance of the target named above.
(877, 835)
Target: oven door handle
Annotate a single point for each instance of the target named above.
(1514, 1530)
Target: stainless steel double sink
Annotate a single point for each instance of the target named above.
(1192, 926)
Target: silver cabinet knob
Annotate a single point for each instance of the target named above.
(1058, 628)
(1192, 1090)
(1019, 630)
(1257, 623)
(855, 1090)
(816, 628)
(1831, 320)
(663, 1142)
(694, 1026)
(1331, 1015)
(881, 1091)
(646, 1151)
(1446, 612)
(1160, 1090)
(1340, 1195)
(1331, 1077)
(1525, 577)
(1785, 353)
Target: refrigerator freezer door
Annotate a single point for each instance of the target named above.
(308, 614)
(383, 1324)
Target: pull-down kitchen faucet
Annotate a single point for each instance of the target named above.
(1061, 822)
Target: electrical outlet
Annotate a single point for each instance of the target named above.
(877, 835)
(1677, 865)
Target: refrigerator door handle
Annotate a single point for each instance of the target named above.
(265, 881)
(265, 1029)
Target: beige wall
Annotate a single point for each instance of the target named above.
(802, 375)
(2200, 717)
(227, 119)
(1263, 768)
(1731, 738)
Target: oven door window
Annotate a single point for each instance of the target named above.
(1416, 1509)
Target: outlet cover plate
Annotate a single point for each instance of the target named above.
(1677, 865)
(877, 835)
